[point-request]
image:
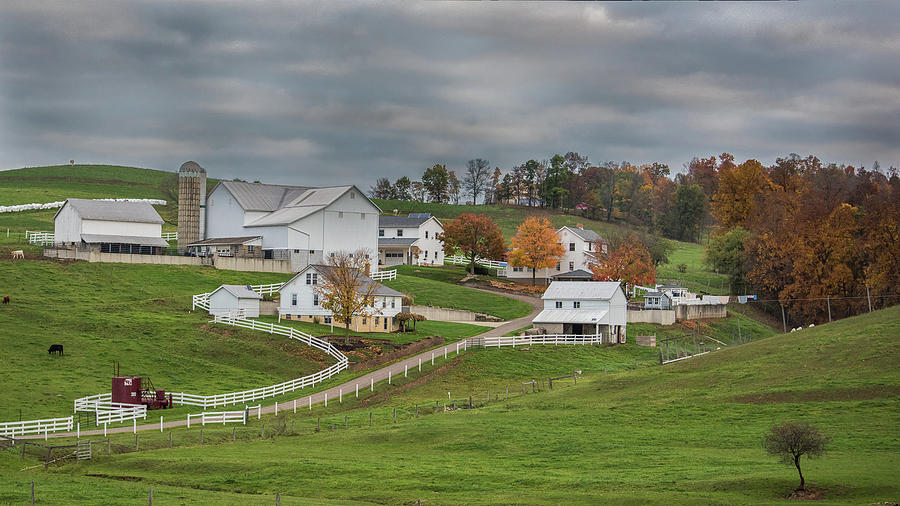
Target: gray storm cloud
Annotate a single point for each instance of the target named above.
(329, 93)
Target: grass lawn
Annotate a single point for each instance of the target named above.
(429, 292)
(686, 433)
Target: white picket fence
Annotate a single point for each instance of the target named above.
(555, 339)
(201, 300)
(170, 236)
(41, 238)
(45, 426)
(114, 412)
(384, 275)
(222, 417)
(490, 264)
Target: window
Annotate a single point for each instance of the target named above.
(293, 299)
(250, 248)
(315, 279)
(571, 246)
(308, 278)
(426, 253)
(364, 320)
(576, 304)
(377, 321)
(557, 266)
(393, 302)
(385, 324)
(362, 216)
(352, 195)
(518, 269)
(296, 251)
(327, 319)
(312, 252)
(340, 214)
(315, 299)
(426, 234)
(399, 232)
(571, 266)
(380, 232)
(559, 304)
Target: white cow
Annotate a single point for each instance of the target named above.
(18, 254)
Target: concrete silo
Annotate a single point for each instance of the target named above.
(191, 204)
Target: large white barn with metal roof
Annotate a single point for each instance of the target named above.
(109, 226)
(303, 224)
(585, 307)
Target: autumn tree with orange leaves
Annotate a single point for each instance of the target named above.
(629, 263)
(535, 246)
(475, 236)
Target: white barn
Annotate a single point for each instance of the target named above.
(303, 224)
(585, 307)
(237, 301)
(300, 301)
(410, 240)
(109, 226)
(581, 251)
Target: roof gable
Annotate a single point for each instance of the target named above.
(598, 290)
(583, 233)
(239, 291)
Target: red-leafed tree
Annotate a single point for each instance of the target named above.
(535, 246)
(629, 263)
(475, 236)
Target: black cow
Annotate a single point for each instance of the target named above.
(6, 299)
(57, 348)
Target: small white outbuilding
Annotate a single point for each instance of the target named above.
(237, 301)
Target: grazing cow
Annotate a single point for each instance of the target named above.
(56, 348)
(18, 254)
(6, 299)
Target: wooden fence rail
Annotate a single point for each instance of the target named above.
(384, 275)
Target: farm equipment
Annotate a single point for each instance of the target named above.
(137, 390)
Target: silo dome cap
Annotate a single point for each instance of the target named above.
(191, 166)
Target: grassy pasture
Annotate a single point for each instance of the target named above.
(687, 433)
(431, 292)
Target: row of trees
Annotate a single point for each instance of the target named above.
(820, 235)
(441, 185)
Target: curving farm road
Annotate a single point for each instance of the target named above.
(348, 387)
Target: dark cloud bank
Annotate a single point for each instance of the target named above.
(328, 93)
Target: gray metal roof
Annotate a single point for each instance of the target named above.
(410, 221)
(124, 239)
(579, 273)
(225, 240)
(191, 166)
(592, 316)
(239, 291)
(397, 241)
(587, 235)
(285, 204)
(602, 290)
(107, 210)
(262, 197)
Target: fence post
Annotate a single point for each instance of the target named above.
(340, 396)
(420, 361)
(170, 439)
(372, 384)
(326, 399)
(370, 418)
(160, 424)
(389, 377)
(357, 390)
(432, 358)
(445, 353)
(276, 408)
(405, 370)
(134, 425)
(295, 406)
(78, 430)
(310, 402)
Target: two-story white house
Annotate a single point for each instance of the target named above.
(109, 226)
(585, 307)
(410, 240)
(301, 300)
(303, 224)
(581, 251)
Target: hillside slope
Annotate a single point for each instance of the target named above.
(688, 433)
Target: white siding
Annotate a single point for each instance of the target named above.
(67, 225)
(224, 217)
(434, 247)
(223, 302)
(578, 259)
(121, 228)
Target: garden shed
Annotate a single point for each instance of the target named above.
(237, 301)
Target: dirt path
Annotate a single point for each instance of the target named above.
(349, 388)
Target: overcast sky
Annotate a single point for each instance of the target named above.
(334, 93)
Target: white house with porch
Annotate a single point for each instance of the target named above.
(300, 223)
(584, 307)
(410, 240)
(235, 301)
(300, 300)
(581, 251)
(109, 226)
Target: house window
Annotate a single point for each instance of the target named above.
(296, 251)
(518, 269)
(340, 214)
(393, 303)
(377, 321)
(315, 278)
(380, 232)
(362, 216)
(557, 266)
(364, 320)
(293, 299)
(559, 304)
(385, 324)
(308, 278)
(576, 304)
(312, 252)
(426, 234)
(352, 195)
(399, 232)
(327, 319)
(426, 253)
(315, 299)
(250, 248)
(571, 246)
(571, 266)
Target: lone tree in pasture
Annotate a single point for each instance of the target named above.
(475, 235)
(535, 246)
(346, 289)
(790, 441)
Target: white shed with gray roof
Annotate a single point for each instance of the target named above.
(584, 307)
(237, 301)
(126, 227)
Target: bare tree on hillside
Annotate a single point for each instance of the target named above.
(478, 174)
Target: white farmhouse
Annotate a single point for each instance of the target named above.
(303, 224)
(410, 240)
(236, 301)
(581, 251)
(109, 226)
(301, 301)
(584, 307)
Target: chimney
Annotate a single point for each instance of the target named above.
(580, 226)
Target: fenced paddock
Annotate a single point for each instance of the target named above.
(47, 425)
(500, 267)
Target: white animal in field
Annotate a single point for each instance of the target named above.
(18, 254)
